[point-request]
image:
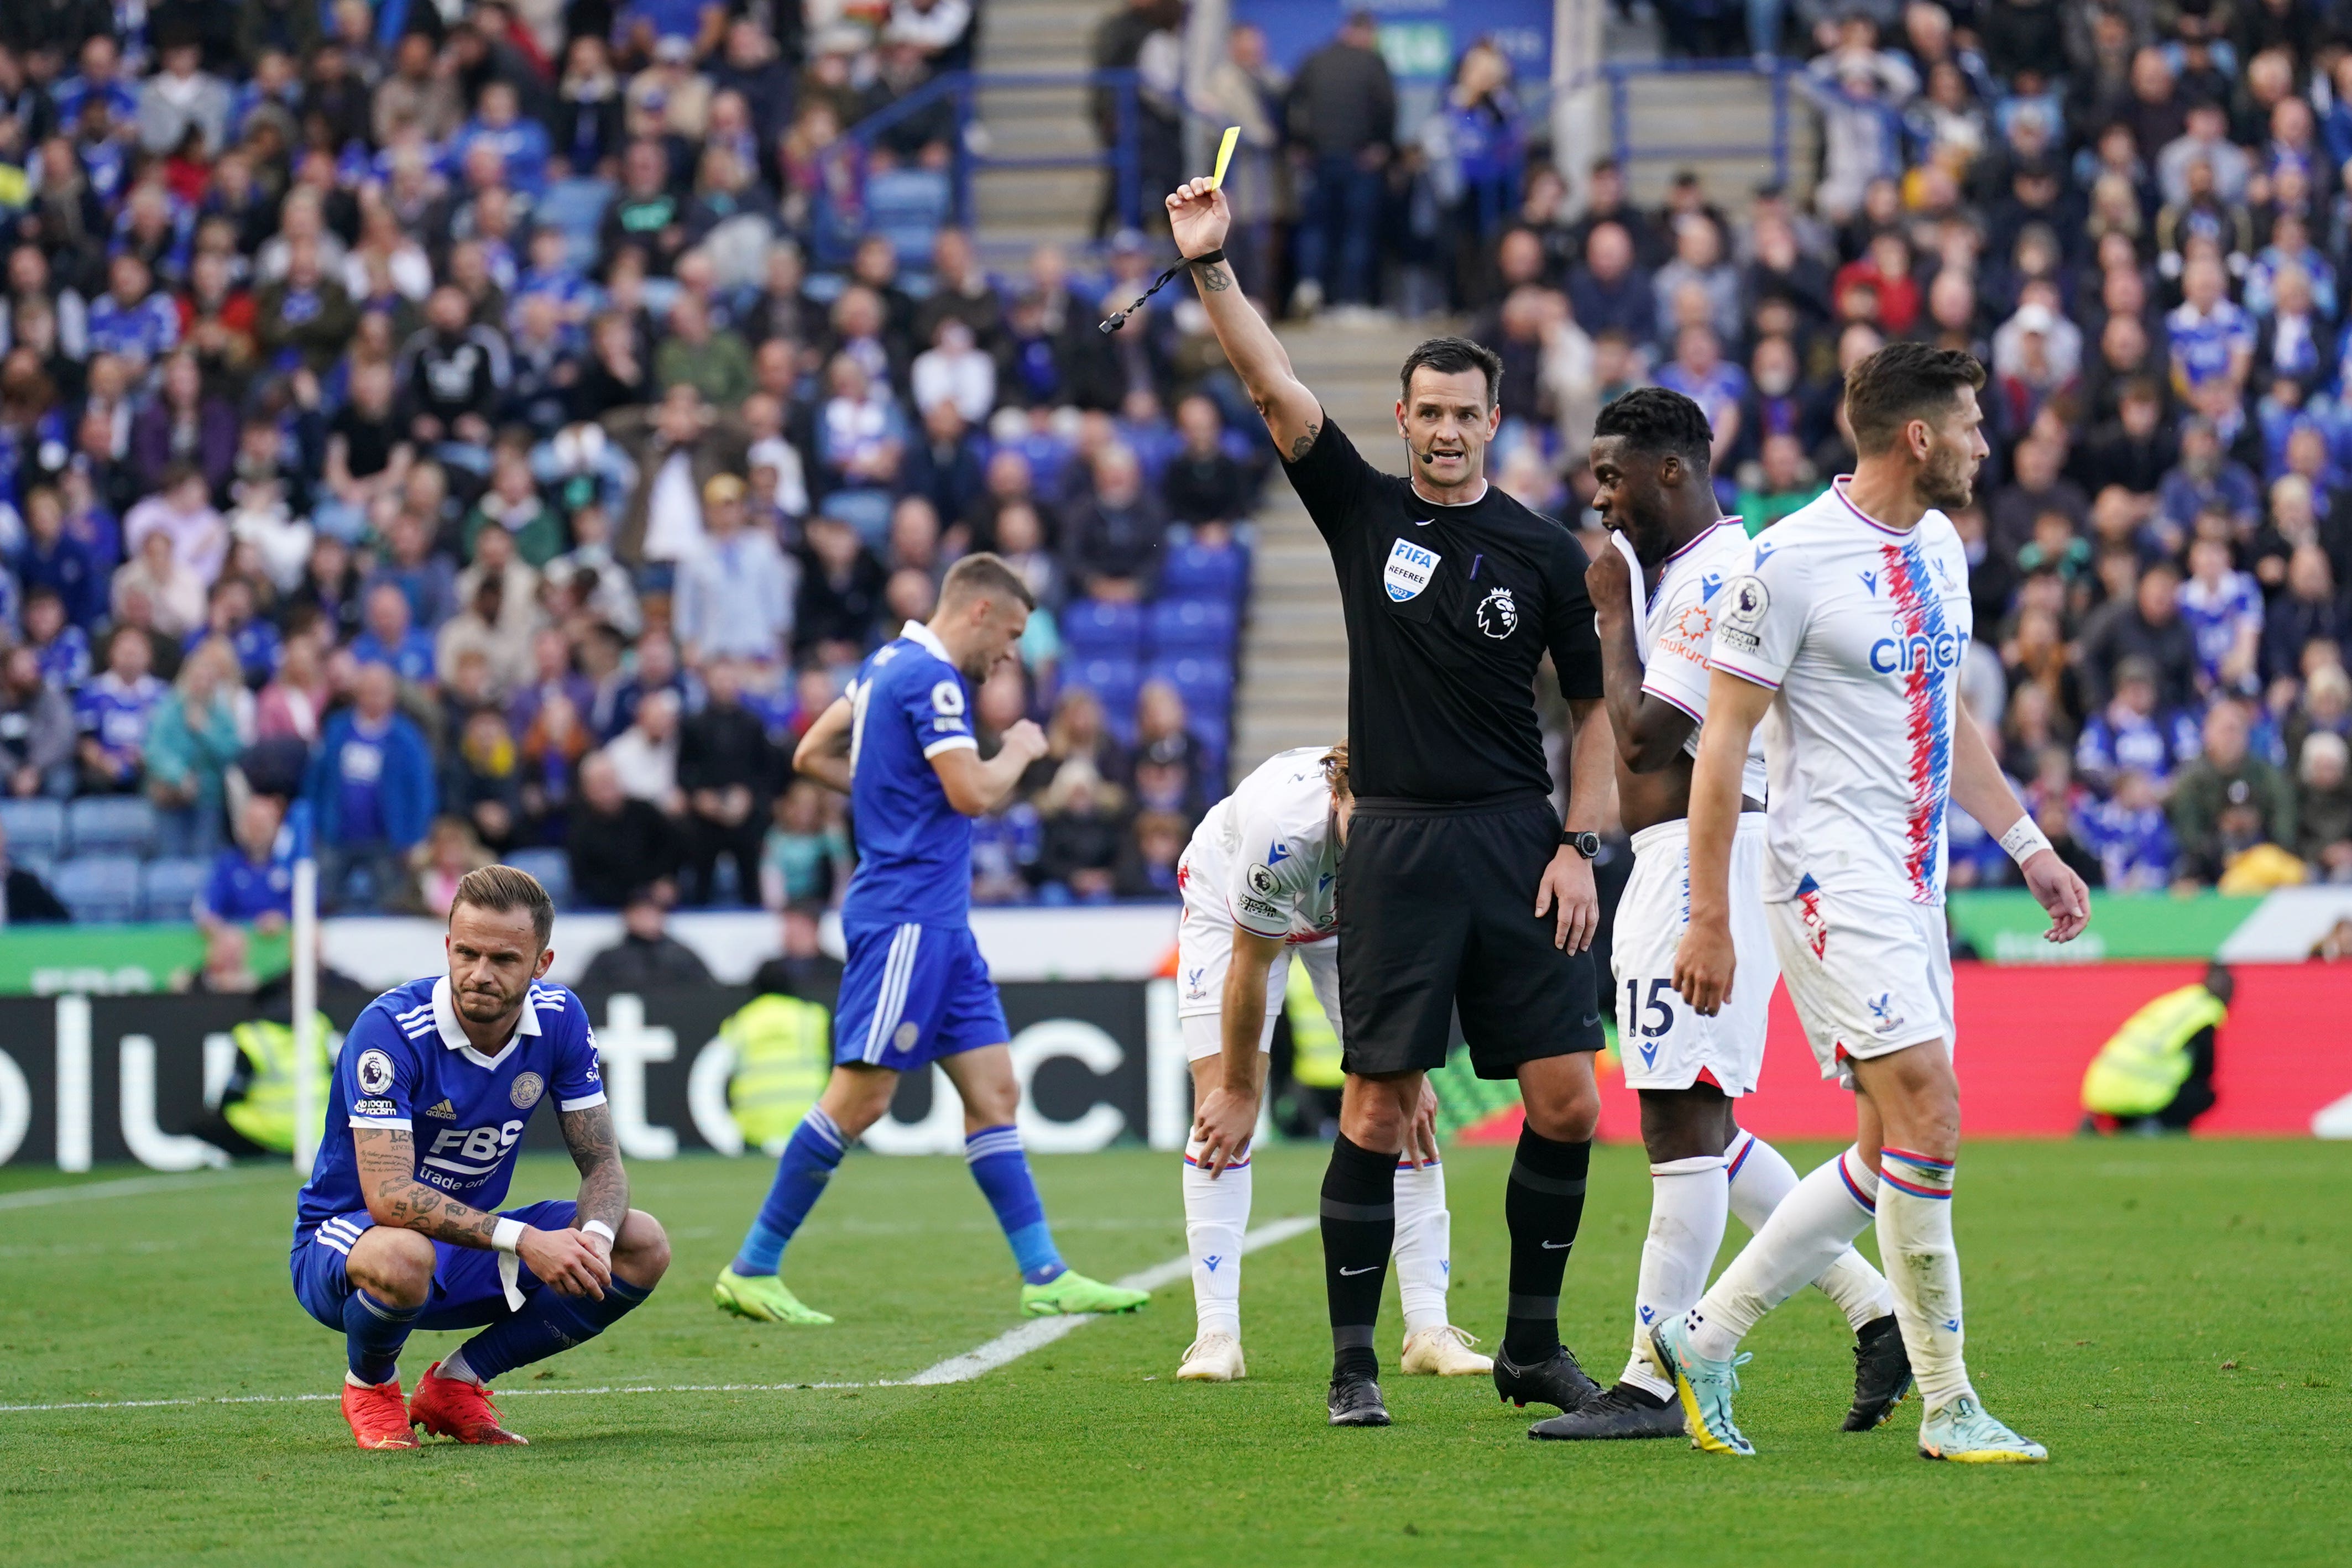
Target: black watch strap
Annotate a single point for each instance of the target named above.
(1587, 844)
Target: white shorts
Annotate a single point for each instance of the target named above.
(1205, 951)
(1662, 1042)
(1870, 973)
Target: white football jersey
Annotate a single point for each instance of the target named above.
(1677, 624)
(1265, 854)
(1861, 631)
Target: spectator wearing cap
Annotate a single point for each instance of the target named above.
(735, 591)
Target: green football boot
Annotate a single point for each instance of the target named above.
(761, 1298)
(1071, 1291)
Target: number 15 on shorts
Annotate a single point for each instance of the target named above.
(1650, 1016)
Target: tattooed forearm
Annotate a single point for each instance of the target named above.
(1216, 280)
(1304, 444)
(603, 1183)
(386, 1158)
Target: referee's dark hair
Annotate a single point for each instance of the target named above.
(1654, 420)
(1902, 382)
(1450, 356)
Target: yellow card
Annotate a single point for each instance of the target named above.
(1224, 156)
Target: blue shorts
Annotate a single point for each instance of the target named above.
(466, 1293)
(913, 994)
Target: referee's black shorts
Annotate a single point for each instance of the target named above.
(1437, 914)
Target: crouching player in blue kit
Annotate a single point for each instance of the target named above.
(395, 1230)
(915, 990)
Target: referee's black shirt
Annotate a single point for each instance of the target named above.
(1450, 611)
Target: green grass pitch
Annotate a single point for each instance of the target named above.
(2167, 1316)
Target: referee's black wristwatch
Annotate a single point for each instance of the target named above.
(1587, 844)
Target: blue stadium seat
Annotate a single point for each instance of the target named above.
(552, 867)
(1097, 629)
(168, 888)
(907, 207)
(34, 827)
(1199, 626)
(98, 887)
(1205, 684)
(111, 824)
(1114, 682)
(1198, 572)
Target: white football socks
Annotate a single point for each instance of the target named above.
(1689, 1200)
(1216, 1214)
(1915, 1237)
(1761, 1177)
(1216, 1217)
(1423, 1248)
(1804, 1233)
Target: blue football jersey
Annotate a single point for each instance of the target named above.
(914, 849)
(406, 1063)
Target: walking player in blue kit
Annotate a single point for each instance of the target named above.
(916, 991)
(398, 1227)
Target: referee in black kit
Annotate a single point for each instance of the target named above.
(1459, 889)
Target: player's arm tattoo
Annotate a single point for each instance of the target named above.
(386, 1158)
(603, 1183)
(1306, 443)
(1215, 279)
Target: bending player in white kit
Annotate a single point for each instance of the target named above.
(1846, 637)
(1653, 597)
(1257, 886)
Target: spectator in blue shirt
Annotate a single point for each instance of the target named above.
(498, 124)
(252, 882)
(2223, 610)
(132, 318)
(228, 614)
(55, 560)
(2130, 735)
(371, 791)
(62, 648)
(392, 639)
(99, 79)
(113, 713)
(2130, 835)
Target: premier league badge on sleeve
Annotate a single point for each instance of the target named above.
(1409, 570)
(1736, 626)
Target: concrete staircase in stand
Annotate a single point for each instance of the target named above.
(1016, 209)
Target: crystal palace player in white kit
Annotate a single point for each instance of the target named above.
(1654, 598)
(1258, 887)
(1844, 638)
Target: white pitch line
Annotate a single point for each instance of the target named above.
(1006, 1348)
(128, 1187)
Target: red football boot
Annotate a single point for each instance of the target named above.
(452, 1407)
(378, 1417)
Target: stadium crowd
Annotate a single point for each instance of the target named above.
(2139, 216)
(504, 426)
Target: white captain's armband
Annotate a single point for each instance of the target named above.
(507, 1234)
(601, 1228)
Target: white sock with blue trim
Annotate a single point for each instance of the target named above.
(1689, 1200)
(1423, 1246)
(1914, 1238)
(1762, 1177)
(1216, 1214)
(1801, 1239)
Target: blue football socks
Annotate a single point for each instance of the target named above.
(373, 1332)
(548, 1322)
(806, 1164)
(1002, 1172)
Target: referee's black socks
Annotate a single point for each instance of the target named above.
(1358, 1229)
(1543, 1204)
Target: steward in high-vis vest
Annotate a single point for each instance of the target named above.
(784, 1054)
(256, 1114)
(2156, 1074)
(1314, 1043)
